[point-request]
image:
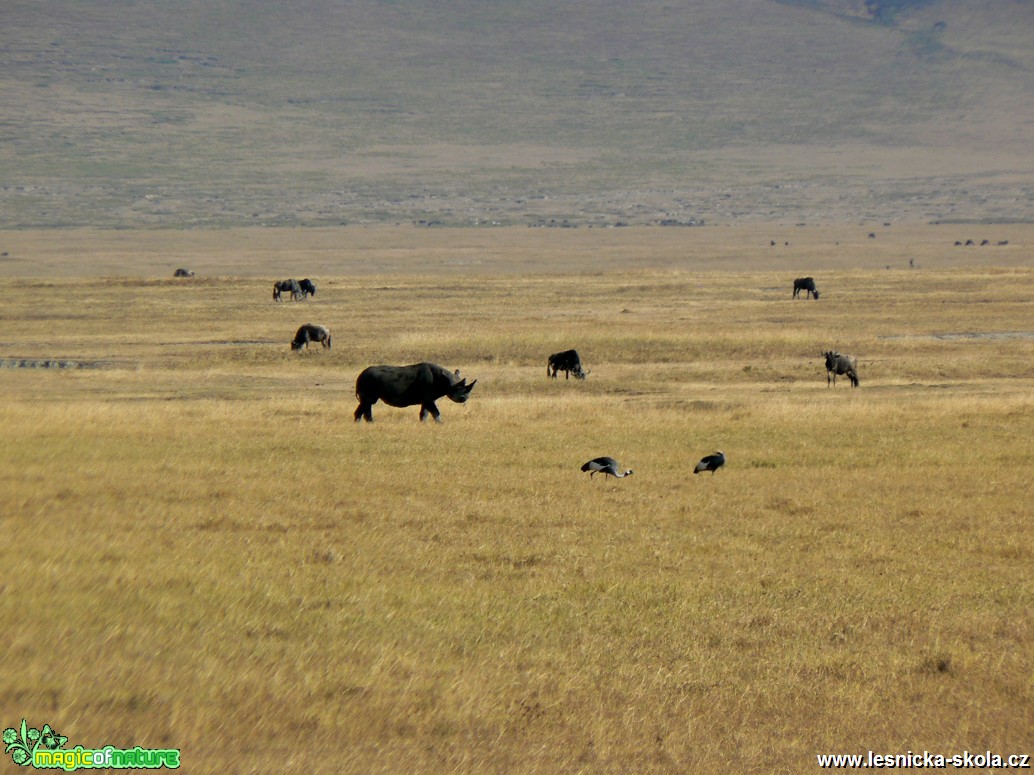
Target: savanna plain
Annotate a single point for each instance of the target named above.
(201, 550)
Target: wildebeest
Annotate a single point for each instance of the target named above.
(841, 364)
(291, 286)
(308, 289)
(806, 284)
(311, 333)
(607, 466)
(181, 272)
(567, 362)
(710, 463)
(420, 383)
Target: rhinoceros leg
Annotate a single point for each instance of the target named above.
(430, 409)
(363, 410)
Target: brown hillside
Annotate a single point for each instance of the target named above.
(128, 114)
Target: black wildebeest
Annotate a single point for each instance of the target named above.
(840, 364)
(710, 463)
(607, 466)
(567, 362)
(806, 284)
(181, 272)
(308, 289)
(311, 333)
(421, 383)
(291, 286)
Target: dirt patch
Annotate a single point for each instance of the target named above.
(57, 363)
(967, 335)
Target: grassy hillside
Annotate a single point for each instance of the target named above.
(149, 113)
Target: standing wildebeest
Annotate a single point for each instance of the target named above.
(311, 333)
(567, 362)
(290, 286)
(308, 289)
(421, 383)
(181, 272)
(841, 364)
(806, 284)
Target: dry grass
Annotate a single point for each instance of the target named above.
(203, 551)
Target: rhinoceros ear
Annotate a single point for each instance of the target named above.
(457, 372)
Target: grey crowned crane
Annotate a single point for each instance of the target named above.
(711, 463)
(606, 466)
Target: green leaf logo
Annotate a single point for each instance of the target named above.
(22, 743)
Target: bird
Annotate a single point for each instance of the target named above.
(605, 466)
(710, 463)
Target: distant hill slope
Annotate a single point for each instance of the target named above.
(127, 113)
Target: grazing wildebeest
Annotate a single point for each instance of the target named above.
(710, 463)
(567, 362)
(181, 272)
(290, 286)
(840, 364)
(421, 383)
(806, 284)
(308, 289)
(607, 466)
(311, 333)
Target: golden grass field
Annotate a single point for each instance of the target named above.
(203, 551)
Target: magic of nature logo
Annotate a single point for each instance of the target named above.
(45, 749)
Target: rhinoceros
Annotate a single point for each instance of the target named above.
(420, 383)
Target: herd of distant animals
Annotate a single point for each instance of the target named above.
(424, 383)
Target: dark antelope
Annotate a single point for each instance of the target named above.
(291, 286)
(806, 284)
(840, 364)
(567, 362)
(311, 333)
